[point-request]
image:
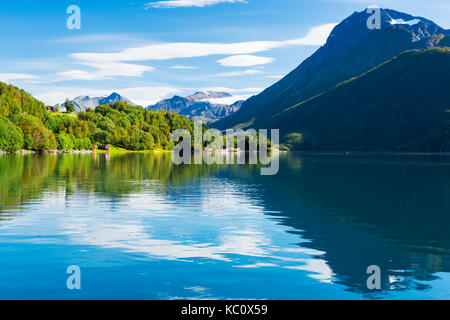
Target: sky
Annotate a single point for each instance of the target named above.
(149, 50)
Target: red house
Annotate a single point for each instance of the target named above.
(104, 147)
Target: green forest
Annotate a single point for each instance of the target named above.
(26, 177)
(25, 124)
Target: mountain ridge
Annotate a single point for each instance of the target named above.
(373, 113)
(197, 106)
(350, 50)
(82, 103)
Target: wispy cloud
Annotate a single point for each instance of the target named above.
(244, 61)
(57, 94)
(238, 73)
(8, 77)
(97, 37)
(103, 71)
(189, 3)
(183, 67)
(146, 96)
(167, 51)
(275, 76)
(229, 100)
(92, 66)
(231, 90)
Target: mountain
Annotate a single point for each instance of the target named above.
(82, 103)
(198, 96)
(403, 104)
(350, 50)
(197, 106)
(445, 42)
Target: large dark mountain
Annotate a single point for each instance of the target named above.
(445, 42)
(196, 106)
(404, 104)
(350, 50)
(83, 103)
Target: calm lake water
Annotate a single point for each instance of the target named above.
(142, 228)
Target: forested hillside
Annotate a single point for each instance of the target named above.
(26, 124)
(14, 101)
(404, 104)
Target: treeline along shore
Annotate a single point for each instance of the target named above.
(27, 125)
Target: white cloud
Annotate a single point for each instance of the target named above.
(315, 37)
(244, 61)
(7, 77)
(110, 65)
(107, 66)
(78, 75)
(97, 37)
(55, 94)
(238, 73)
(146, 96)
(254, 241)
(275, 76)
(232, 90)
(183, 67)
(105, 71)
(166, 51)
(30, 64)
(318, 268)
(229, 100)
(189, 3)
(258, 265)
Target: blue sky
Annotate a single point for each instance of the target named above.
(148, 50)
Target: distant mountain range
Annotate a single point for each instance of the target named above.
(324, 103)
(197, 106)
(82, 103)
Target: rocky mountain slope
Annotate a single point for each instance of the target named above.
(82, 103)
(199, 106)
(351, 50)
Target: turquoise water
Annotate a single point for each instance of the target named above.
(140, 228)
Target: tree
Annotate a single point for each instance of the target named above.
(64, 142)
(14, 100)
(36, 136)
(11, 137)
(70, 107)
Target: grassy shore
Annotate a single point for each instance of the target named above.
(112, 150)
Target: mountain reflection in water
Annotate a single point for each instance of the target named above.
(167, 232)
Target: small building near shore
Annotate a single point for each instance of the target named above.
(57, 108)
(104, 147)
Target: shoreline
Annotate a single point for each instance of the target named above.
(345, 153)
(27, 152)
